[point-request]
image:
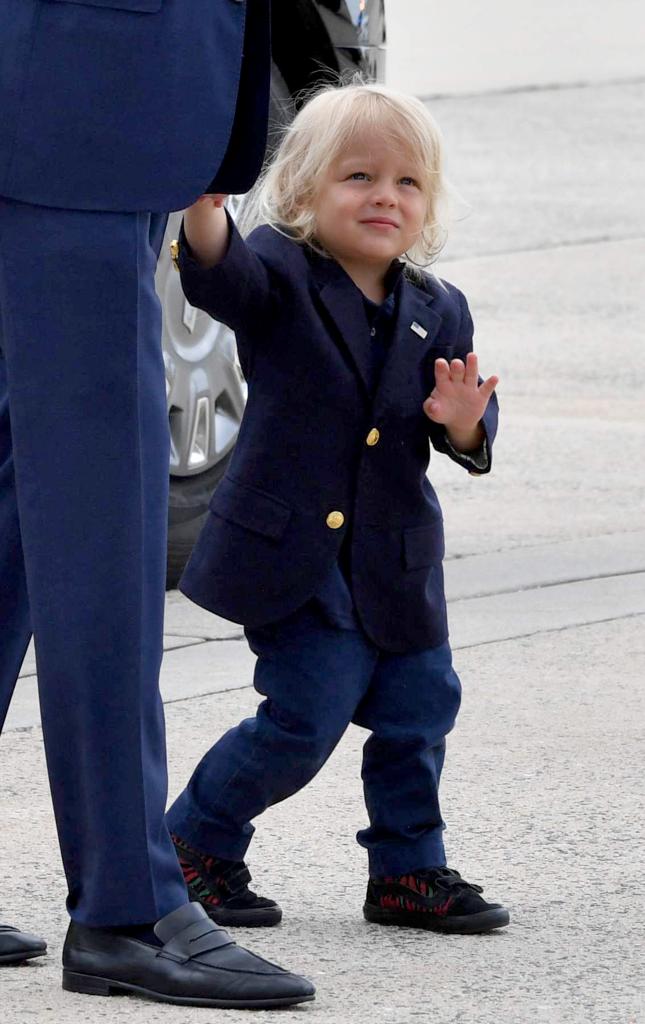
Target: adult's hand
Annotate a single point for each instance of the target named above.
(216, 199)
(206, 229)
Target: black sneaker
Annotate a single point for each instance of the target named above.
(222, 888)
(435, 898)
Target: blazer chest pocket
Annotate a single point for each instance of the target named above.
(424, 546)
(253, 509)
(137, 6)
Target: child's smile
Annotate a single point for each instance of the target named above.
(370, 207)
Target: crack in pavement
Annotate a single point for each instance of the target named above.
(565, 243)
(518, 90)
(550, 583)
(455, 647)
(478, 596)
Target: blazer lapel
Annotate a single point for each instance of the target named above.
(343, 302)
(416, 328)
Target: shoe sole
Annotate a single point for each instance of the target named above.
(470, 924)
(264, 918)
(91, 985)
(18, 958)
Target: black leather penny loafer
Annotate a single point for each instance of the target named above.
(16, 946)
(198, 964)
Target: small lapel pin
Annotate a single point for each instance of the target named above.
(418, 329)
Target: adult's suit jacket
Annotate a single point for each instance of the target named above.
(307, 448)
(129, 105)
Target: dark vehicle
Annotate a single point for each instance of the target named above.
(205, 388)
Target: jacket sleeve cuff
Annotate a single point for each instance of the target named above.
(479, 461)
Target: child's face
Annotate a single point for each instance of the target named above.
(370, 207)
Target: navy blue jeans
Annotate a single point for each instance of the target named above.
(316, 679)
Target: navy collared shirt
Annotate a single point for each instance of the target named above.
(334, 599)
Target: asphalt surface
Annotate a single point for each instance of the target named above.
(545, 571)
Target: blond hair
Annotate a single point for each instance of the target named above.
(285, 195)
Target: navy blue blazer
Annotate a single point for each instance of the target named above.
(131, 105)
(303, 463)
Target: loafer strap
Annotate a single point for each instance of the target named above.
(197, 938)
(188, 932)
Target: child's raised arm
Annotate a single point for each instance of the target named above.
(220, 273)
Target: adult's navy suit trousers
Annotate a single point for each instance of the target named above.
(84, 451)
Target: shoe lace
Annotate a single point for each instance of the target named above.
(448, 879)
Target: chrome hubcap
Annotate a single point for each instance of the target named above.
(205, 389)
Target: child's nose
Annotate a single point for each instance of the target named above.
(385, 195)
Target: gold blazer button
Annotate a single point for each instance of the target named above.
(335, 520)
(373, 437)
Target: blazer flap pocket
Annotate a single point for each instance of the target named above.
(255, 510)
(424, 545)
(138, 6)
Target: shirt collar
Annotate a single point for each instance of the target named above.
(387, 307)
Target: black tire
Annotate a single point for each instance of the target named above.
(187, 511)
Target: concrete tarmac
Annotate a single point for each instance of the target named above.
(545, 570)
